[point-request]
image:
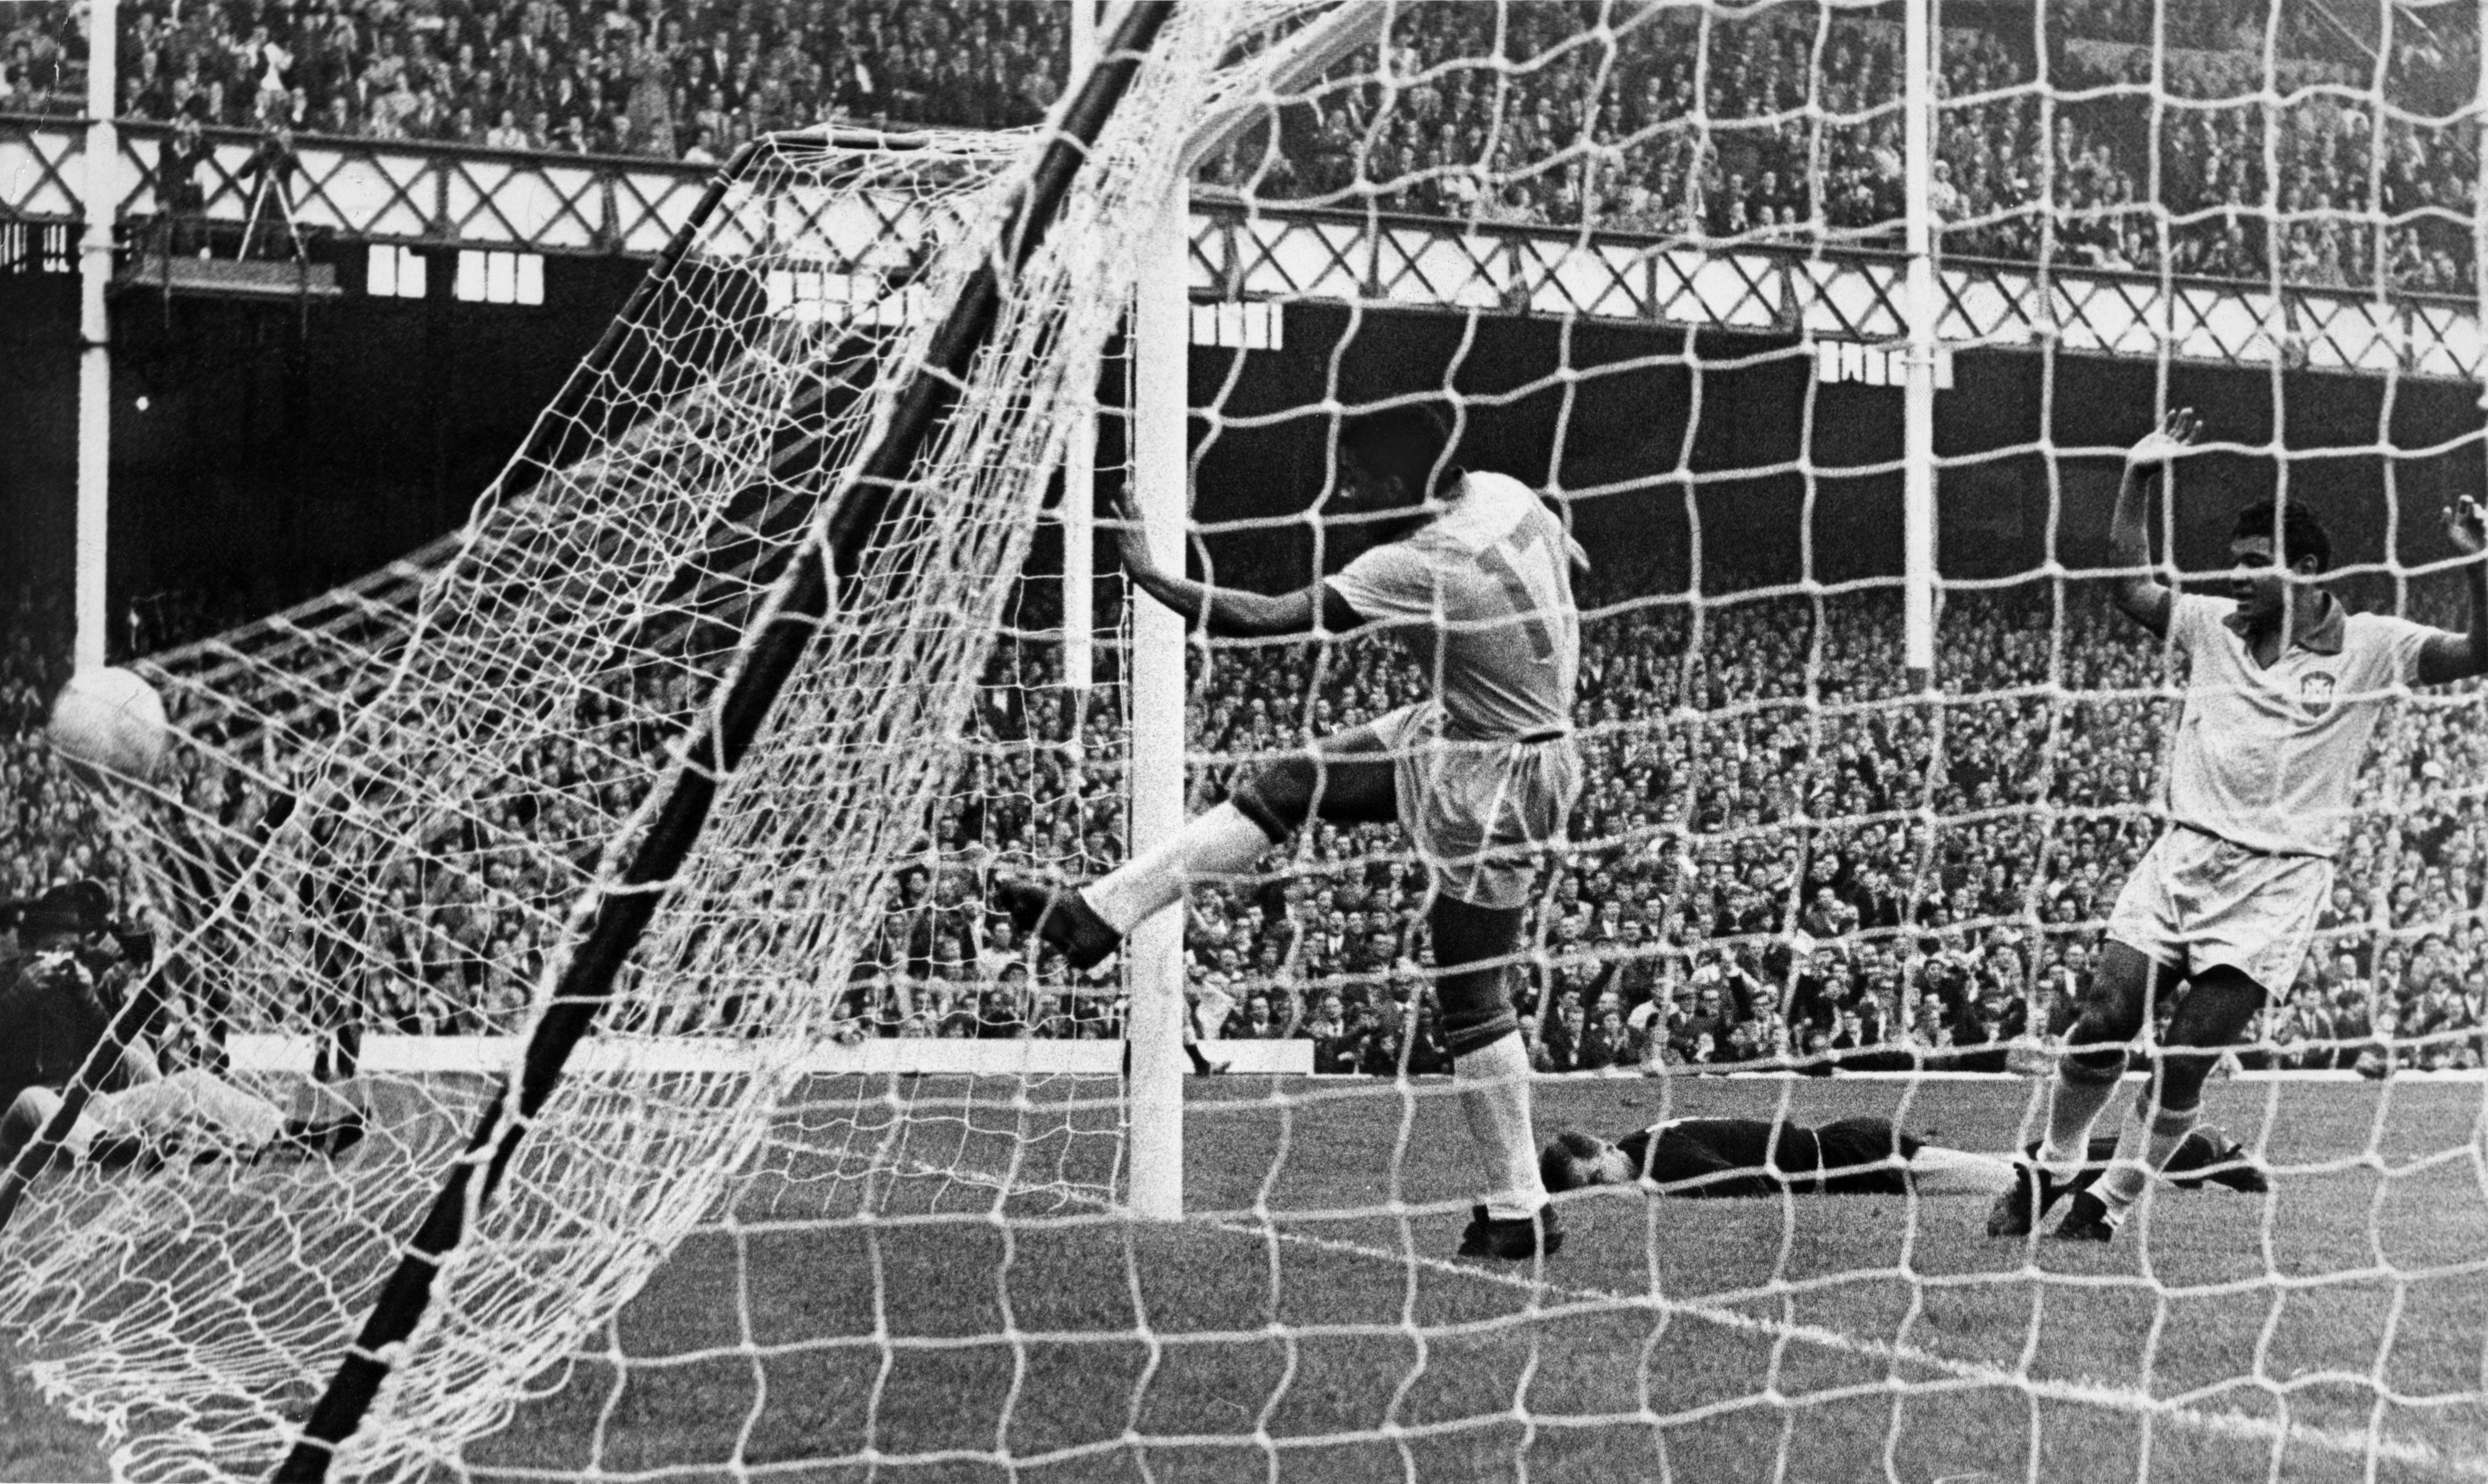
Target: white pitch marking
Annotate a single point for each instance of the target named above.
(2090, 1393)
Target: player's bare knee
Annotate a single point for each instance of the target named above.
(1477, 1008)
(1281, 795)
(2119, 999)
(2094, 1064)
(1471, 947)
(2217, 1009)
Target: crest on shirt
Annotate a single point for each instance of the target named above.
(2315, 693)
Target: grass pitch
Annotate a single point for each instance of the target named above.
(1309, 1322)
(37, 1442)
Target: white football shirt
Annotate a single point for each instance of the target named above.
(1482, 596)
(2268, 758)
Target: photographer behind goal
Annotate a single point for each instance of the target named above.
(53, 1016)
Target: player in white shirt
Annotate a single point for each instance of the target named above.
(2284, 694)
(1474, 573)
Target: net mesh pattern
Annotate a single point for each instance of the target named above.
(753, 1240)
(481, 727)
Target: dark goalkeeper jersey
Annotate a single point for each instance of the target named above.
(1855, 1157)
(1761, 1156)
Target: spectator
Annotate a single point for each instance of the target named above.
(1735, 772)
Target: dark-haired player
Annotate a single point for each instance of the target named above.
(2283, 693)
(1720, 1157)
(1472, 571)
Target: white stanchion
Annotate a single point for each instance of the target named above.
(489, 1055)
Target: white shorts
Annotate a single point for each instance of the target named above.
(1479, 812)
(193, 1112)
(2195, 902)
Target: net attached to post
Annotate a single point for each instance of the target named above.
(1646, 260)
(386, 806)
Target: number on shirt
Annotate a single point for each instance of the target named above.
(1530, 586)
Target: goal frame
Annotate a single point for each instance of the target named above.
(613, 923)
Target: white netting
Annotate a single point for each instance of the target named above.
(1644, 256)
(388, 806)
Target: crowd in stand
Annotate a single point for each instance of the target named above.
(1784, 131)
(689, 81)
(1784, 128)
(1775, 854)
(50, 830)
(1764, 880)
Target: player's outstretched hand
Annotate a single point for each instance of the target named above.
(2173, 437)
(2465, 525)
(1132, 539)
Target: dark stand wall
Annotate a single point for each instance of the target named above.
(1741, 444)
(283, 452)
(283, 449)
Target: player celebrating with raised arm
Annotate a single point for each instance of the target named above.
(1473, 573)
(2284, 694)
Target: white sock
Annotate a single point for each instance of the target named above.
(2143, 1147)
(1222, 842)
(1494, 1093)
(2073, 1111)
(1935, 1170)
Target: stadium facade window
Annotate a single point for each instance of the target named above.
(500, 277)
(1254, 324)
(36, 247)
(394, 272)
(829, 296)
(1848, 360)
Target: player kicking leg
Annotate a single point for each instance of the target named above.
(1473, 573)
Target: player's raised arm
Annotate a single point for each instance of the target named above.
(2142, 597)
(1225, 611)
(2453, 656)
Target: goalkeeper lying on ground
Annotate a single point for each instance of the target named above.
(51, 1018)
(1846, 1156)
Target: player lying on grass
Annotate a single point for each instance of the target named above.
(2283, 693)
(1473, 573)
(51, 1018)
(1696, 1156)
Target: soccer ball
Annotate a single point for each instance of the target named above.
(112, 721)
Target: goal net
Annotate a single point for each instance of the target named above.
(1647, 260)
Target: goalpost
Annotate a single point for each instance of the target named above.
(660, 791)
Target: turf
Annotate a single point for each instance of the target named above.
(1302, 1326)
(1309, 1321)
(37, 1442)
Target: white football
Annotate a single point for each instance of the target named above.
(112, 721)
